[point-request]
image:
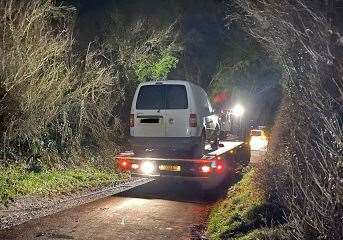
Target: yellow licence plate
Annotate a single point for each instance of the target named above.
(170, 168)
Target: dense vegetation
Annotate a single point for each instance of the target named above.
(304, 167)
(59, 105)
(69, 70)
(246, 213)
(302, 173)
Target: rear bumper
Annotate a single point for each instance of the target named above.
(165, 143)
(207, 182)
(158, 176)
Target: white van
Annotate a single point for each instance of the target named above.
(172, 116)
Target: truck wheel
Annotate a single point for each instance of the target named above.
(199, 150)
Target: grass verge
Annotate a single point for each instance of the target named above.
(245, 214)
(17, 181)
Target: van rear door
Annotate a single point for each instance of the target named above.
(177, 111)
(149, 115)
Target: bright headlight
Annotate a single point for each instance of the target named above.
(258, 143)
(148, 167)
(238, 110)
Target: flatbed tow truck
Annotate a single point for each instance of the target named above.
(210, 171)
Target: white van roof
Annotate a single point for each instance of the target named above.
(182, 82)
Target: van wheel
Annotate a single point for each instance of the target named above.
(222, 135)
(199, 150)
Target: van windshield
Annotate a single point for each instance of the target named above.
(166, 96)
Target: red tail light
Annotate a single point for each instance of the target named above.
(193, 120)
(124, 163)
(132, 120)
(219, 167)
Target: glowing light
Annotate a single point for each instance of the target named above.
(219, 167)
(258, 143)
(148, 168)
(205, 169)
(134, 166)
(238, 110)
(124, 163)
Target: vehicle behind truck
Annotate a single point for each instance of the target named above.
(172, 117)
(177, 117)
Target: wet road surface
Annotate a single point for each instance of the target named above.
(158, 210)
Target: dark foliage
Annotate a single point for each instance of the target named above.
(304, 167)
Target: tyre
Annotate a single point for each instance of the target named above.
(222, 135)
(215, 143)
(199, 150)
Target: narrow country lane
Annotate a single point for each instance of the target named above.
(158, 210)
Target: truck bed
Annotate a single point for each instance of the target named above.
(213, 164)
(227, 147)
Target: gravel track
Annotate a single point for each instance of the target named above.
(28, 208)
